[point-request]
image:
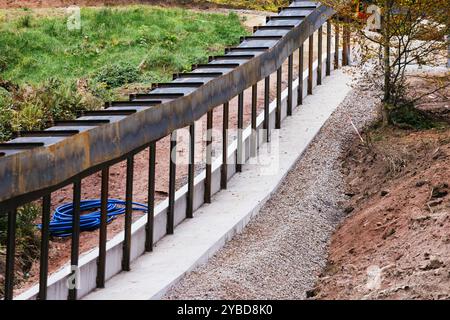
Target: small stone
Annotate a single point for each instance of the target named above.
(384, 193)
(421, 218)
(388, 233)
(349, 210)
(350, 194)
(440, 191)
(420, 183)
(435, 203)
(311, 293)
(433, 265)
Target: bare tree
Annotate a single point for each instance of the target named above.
(409, 32)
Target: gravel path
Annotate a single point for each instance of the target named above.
(281, 252)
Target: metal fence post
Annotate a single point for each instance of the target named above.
(10, 255)
(45, 236)
(278, 110)
(301, 57)
(224, 168)
(266, 125)
(128, 214)
(319, 55)
(290, 79)
(191, 173)
(149, 228)
(209, 127)
(328, 70)
(75, 245)
(310, 63)
(101, 262)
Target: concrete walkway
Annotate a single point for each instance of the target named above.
(196, 240)
(281, 251)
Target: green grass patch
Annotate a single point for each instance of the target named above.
(268, 5)
(167, 40)
(56, 72)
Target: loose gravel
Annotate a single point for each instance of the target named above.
(281, 252)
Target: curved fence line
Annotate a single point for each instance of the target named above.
(39, 163)
(43, 163)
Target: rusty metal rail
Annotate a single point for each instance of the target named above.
(38, 163)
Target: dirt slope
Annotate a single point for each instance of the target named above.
(396, 242)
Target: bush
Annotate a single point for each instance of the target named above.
(34, 106)
(118, 74)
(25, 224)
(98, 92)
(27, 241)
(24, 21)
(6, 115)
(59, 100)
(270, 5)
(3, 63)
(408, 117)
(29, 117)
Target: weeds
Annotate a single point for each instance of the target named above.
(269, 5)
(27, 242)
(24, 21)
(117, 74)
(32, 107)
(407, 116)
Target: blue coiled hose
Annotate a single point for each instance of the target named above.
(61, 223)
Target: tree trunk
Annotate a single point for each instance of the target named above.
(386, 60)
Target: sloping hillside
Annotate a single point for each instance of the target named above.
(395, 243)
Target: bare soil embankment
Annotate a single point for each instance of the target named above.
(395, 243)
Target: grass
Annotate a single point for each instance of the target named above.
(268, 5)
(50, 72)
(160, 40)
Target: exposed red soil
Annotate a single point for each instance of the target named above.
(396, 242)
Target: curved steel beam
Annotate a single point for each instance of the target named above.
(34, 171)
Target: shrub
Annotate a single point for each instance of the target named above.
(118, 74)
(25, 223)
(29, 117)
(24, 21)
(34, 106)
(3, 63)
(59, 99)
(27, 241)
(407, 116)
(6, 115)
